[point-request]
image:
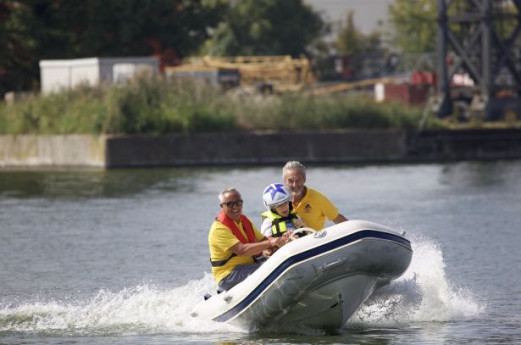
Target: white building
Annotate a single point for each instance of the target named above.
(56, 75)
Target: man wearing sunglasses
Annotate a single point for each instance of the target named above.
(234, 242)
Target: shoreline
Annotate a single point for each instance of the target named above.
(258, 148)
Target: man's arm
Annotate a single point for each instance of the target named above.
(339, 219)
(249, 249)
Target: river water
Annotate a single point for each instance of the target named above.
(120, 256)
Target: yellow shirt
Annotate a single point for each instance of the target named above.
(314, 208)
(220, 240)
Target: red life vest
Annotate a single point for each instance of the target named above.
(246, 225)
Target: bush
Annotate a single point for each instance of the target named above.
(154, 105)
(293, 112)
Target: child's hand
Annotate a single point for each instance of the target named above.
(267, 253)
(284, 238)
(300, 223)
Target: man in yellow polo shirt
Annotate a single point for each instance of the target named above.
(234, 241)
(310, 205)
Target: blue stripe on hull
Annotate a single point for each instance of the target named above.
(304, 256)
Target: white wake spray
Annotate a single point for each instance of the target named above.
(141, 310)
(422, 294)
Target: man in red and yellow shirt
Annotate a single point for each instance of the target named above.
(234, 241)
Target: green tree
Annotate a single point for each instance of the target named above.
(128, 27)
(415, 25)
(350, 41)
(16, 46)
(266, 27)
(60, 29)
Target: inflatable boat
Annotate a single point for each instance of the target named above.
(317, 281)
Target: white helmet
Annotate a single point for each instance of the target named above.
(275, 194)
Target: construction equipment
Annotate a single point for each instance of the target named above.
(223, 77)
(277, 73)
(342, 87)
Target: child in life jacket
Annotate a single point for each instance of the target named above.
(279, 216)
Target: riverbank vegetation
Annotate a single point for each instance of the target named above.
(157, 106)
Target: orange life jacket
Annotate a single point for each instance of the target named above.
(223, 218)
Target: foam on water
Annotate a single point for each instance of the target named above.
(422, 294)
(144, 309)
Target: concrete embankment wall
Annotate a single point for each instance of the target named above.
(52, 150)
(255, 148)
(457, 145)
(259, 148)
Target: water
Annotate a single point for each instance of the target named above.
(120, 257)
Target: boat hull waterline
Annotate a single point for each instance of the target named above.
(317, 281)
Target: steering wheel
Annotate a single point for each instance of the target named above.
(300, 231)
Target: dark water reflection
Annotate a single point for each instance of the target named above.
(94, 182)
(479, 174)
(88, 183)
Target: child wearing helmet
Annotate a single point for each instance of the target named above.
(279, 216)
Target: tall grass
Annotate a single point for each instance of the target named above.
(294, 112)
(157, 106)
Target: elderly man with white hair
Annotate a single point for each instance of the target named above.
(310, 205)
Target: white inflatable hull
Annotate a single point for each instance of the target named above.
(317, 281)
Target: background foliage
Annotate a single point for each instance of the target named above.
(155, 106)
(268, 27)
(415, 25)
(33, 30)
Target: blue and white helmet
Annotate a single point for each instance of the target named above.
(275, 194)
